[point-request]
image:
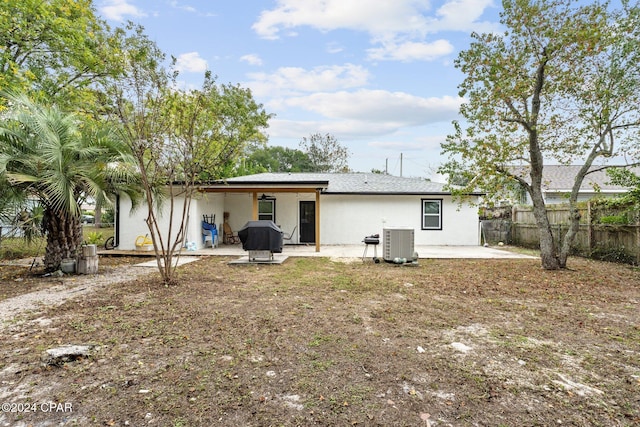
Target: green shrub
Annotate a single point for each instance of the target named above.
(108, 216)
(94, 238)
(16, 247)
(619, 255)
(614, 219)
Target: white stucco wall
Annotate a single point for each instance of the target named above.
(240, 208)
(204, 204)
(132, 224)
(348, 219)
(344, 219)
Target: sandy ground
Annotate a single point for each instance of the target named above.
(67, 287)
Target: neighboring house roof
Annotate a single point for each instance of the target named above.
(345, 183)
(560, 178)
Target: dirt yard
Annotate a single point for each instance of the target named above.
(321, 342)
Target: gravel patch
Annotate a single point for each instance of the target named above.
(69, 287)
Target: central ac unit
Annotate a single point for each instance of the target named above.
(398, 243)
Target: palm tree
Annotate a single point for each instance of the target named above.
(52, 155)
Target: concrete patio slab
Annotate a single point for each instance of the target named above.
(352, 251)
(356, 251)
(277, 259)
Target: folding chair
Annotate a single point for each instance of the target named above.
(289, 236)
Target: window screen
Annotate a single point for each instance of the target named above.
(431, 214)
(267, 209)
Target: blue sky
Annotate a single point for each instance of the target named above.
(378, 75)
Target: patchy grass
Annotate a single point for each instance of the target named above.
(316, 342)
(28, 275)
(16, 247)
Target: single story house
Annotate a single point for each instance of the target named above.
(557, 182)
(321, 208)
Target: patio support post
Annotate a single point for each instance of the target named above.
(255, 206)
(317, 220)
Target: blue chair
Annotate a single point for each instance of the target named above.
(209, 235)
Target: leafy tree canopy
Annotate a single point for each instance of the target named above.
(274, 159)
(626, 178)
(55, 50)
(326, 153)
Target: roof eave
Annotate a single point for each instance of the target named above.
(397, 193)
(275, 183)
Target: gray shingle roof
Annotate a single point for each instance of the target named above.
(346, 183)
(561, 177)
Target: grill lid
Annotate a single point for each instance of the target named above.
(374, 239)
(262, 235)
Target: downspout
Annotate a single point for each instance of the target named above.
(116, 216)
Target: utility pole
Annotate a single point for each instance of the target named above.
(400, 165)
(386, 166)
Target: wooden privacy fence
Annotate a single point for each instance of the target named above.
(614, 242)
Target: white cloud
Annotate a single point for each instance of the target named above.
(411, 51)
(117, 10)
(188, 8)
(426, 142)
(334, 47)
(251, 59)
(397, 28)
(366, 114)
(292, 80)
(378, 106)
(381, 18)
(397, 146)
(342, 129)
(185, 86)
(191, 62)
(463, 15)
(176, 5)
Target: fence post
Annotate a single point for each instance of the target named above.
(589, 229)
(637, 242)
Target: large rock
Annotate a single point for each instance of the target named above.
(67, 353)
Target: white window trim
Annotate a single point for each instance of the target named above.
(423, 214)
(273, 206)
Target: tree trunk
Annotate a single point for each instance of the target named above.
(574, 226)
(64, 237)
(548, 246)
(97, 214)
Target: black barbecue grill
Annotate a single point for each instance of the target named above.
(261, 238)
(373, 240)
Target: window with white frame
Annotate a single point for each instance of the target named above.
(432, 214)
(267, 209)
